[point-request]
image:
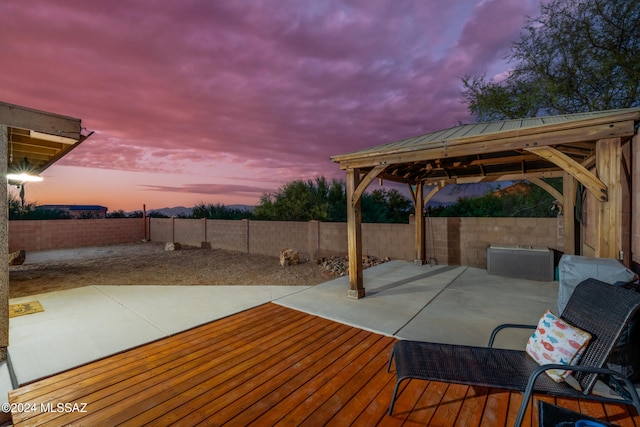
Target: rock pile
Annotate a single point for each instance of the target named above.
(17, 258)
(289, 257)
(340, 265)
(172, 246)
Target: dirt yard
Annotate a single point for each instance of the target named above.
(150, 264)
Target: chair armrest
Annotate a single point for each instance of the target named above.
(505, 326)
(633, 398)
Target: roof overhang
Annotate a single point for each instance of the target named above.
(37, 139)
(494, 151)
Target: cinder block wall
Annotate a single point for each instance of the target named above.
(161, 230)
(379, 240)
(396, 241)
(442, 240)
(228, 234)
(476, 234)
(73, 233)
(332, 239)
(270, 237)
(452, 241)
(189, 231)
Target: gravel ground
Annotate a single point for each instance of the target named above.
(149, 264)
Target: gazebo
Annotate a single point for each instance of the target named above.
(31, 141)
(589, 149)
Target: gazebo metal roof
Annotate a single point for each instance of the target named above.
(493, 151)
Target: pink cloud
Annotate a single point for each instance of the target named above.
(211, 189)
(272, 87)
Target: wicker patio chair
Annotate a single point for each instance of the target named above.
(599, 308)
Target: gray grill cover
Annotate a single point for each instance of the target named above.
(573, 269)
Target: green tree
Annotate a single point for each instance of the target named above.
(322, 200)
(520, 200)
(30, 211)
(576, 56)
(89, 215)
(299, 200)
(337, 199)
(117, 214)
(155, 214)
(386, 206)
(219, 211)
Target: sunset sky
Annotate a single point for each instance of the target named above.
(222, 101)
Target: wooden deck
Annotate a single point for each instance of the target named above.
(266, 366)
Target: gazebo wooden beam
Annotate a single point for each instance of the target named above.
(546, 187)
(609, 212)
(582, 174)
(569, 187)
(365, 181)
(494, 178)
(436, 187)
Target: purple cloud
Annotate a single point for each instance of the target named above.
(273, 88)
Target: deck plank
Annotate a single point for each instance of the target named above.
(593, 409)
(236, 325)
(340, 392)
(253, 381)
(449, 408)
(473, 407)
(496, 408)
(203, 374)
(314, 393)
(272, 365)
(144, 378)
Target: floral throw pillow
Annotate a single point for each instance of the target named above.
(557, 342)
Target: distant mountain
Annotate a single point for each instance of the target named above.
(175, 211)
(242, 207)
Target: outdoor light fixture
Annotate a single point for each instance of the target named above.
(22, 172)
(23, 177)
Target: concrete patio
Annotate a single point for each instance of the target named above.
(440, 303)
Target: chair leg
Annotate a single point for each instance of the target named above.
(393, 399)
(526, 397)
(390, 360)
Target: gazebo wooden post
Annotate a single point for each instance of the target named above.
(569, 212)
(609, 211)
(420, 224)
(354, 235)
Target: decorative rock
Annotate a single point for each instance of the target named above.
(339, 266)
(289, 257)
(17, 258)
(172, 246)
